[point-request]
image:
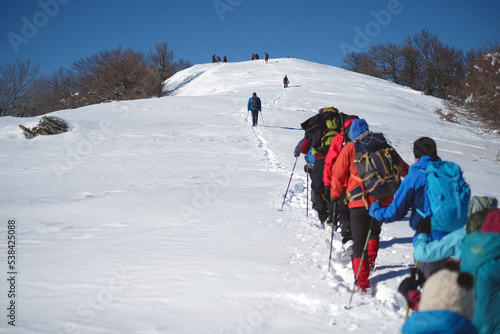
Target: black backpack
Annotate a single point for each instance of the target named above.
(255, 102)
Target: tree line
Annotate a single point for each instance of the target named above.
(471, 81)
(119, 74)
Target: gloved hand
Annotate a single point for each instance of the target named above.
(374, 210)
(424, 226)
(411, 283)
(334, 199)
(327, 193)
(296, 152)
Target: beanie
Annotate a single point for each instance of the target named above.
(449, 290)
(492, 222)
(254, 94)
(358, 127)
(425, 146)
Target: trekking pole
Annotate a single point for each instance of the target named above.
(361, 262)
(284, 197)
(246, 119)
(333, 229)
(408, 306)
(262, 119)
(307, 195)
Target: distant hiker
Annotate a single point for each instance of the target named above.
(213, 58)
(285, 82)
(253, 56)
(359, 200)
(266, 57)
(224, 59)
(256, 56)
(254, 106)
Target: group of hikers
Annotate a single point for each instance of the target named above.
(255, 56)
(216, 59)
(359, 182)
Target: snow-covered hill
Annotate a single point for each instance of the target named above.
(161, 215)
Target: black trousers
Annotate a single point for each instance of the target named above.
(360, 225)
(318, 188)
(255, 116)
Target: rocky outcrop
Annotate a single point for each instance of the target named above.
(48, 125)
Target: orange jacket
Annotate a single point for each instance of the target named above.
(344, 171)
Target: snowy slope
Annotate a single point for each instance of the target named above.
(161, 215)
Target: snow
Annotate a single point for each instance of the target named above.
(162, 215)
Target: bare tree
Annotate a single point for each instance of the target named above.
(360, 62)
(388, 60)
(113, 75)
(18, 84)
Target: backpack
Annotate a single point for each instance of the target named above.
(255, 102)
(377, 164)
(447, 196)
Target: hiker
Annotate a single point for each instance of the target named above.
(266, 57)
(253, 56)
(444, 248)
(446, 305)
(342, 208)
(319, 142)
(256, 56)
(480, 253)
(254, 106)
(213, 58)
(412, 195)
(344, 170)
(224, 59)
(309, 166)
(285, 82)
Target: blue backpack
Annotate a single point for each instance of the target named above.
(447, 196)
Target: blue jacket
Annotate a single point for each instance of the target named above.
(430, 251)
(481, 257)
(438, 322)
(250, 107)
(410, 195)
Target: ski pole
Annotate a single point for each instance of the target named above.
(246, 119)
(333, 229)
(361, 262)
(262, 119)
(284, 197)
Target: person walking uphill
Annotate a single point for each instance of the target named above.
(285, 82)
(254, 105)
(344, 170)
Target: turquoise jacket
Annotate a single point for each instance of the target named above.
(438, 322)
(480, 254)
(449, 245)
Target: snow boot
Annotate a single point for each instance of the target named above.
(363, 282)
(372, 249)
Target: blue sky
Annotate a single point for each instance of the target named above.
(54, 33)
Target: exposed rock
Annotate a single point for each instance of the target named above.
(48, 125)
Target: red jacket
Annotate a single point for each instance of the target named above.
(333, 153)
(344, 171)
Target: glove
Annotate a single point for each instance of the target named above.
(334, 199)
(411, 283)
(296, 152)
(424, 226)
(374, 208)
(327, 193)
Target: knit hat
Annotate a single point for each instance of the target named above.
(492, 222)
(358, 127)
(254, 94)
(425, 146)
(448, 289)
(478, 203)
